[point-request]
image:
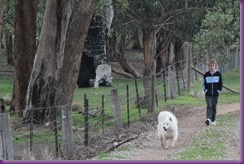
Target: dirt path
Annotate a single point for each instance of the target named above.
(147, 147)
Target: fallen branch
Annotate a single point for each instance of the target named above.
(117, 144)
(122, 73)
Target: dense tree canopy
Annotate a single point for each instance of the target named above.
(220, 32)
(212, 27)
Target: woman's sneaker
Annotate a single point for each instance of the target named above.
(207, 121)
(213, 123)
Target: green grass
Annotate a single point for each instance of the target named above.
(6, 87)
(3, 55)
(94, 95)
(23, 137)
(211, 144)
(232, 79)
(185, 99)
(108, 156)
(206, 147)
(196, 97)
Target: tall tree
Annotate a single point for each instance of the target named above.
(9, 47)
(148, 14)
(9, 28)
(120, 38)
(1, 19)
(220, 32)
(135, 39)
(58, 56)
(168, 17)
(25, 49)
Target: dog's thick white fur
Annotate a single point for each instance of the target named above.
(167, 129)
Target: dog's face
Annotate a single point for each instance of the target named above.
(167, 124)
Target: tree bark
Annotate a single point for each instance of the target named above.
(112, 47)
(149, 44)
(9, 48)
(178, 55)
(125, 65)
(189, 63)
(1, 20)
(57, 62)
(162, 59)
(25, 48)
(162, 50)
(116, 110)
(135, 39)
(6, 145)
(172, 73)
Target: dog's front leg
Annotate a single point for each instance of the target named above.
(166, 144)
(173, 141)
(161, 140)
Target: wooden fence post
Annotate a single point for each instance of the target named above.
(137, 98)
(171, 73)
(2, 106)
(55, 130)
(156, 96)
(86, 123)
(178, 80)
(128, 104)
(102, 113)
(67, 123)
(31, 129)
(189, 61)
(164, 79)
(153, 83)
(116, 109)
(6, 145)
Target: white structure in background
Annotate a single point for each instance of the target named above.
(109, 14)
(103, 74)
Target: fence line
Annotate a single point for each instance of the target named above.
(91, 123)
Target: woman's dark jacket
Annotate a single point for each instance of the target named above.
(212, 83)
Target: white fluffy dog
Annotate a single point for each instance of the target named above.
(167, 129)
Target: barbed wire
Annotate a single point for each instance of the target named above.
(95, 123)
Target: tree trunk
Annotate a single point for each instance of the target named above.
(179, 61)
(87, 71)
(135, 38)
(94, 52)
(1, 21)
(125, 65)
(25, 49)
(172, 73)
(162, 50)
(9, 48)
(162, 60)
(189, 63)
(6, 144)
(149, 44)
(57, 62)
(109, 15)
(237, 57)
(12, 104)
(112, 47)
(178, 55)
